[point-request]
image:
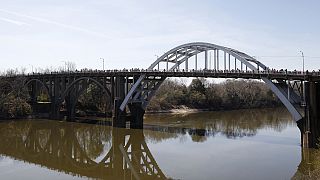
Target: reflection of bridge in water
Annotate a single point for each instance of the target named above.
(104, 152)
(309, 168)
(76, 150)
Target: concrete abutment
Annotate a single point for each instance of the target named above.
(310, 125)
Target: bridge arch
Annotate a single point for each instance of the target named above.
(42, 83)
(91, 80)
(68, 89)
(144, 88)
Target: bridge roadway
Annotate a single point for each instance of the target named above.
(273, 74)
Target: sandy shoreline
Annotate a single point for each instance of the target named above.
(179, 111)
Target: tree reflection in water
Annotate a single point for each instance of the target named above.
(98, 151)
(232, 124)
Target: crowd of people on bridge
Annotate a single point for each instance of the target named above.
(177, 70)
(268, 71)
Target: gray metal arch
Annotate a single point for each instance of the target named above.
(180, 54)
(42, 83)
(201, 47)
(64, 94)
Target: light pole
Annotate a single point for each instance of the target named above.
(302, 61)
(102, 63)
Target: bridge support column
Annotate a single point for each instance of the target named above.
(55, 110)
(33, 95)
(119, 117)
(310, 125)
(71, 105)
(54, 114)
(137, 113)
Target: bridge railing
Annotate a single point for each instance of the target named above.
(137, 70)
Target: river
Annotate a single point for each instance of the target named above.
(240, 144)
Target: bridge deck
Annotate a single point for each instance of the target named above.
(283, 75)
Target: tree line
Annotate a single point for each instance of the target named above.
(202, 94)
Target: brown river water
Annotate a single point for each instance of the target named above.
(241, 144)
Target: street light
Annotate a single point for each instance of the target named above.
(302, 61)
(102, 63)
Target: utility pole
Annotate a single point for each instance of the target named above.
(302, 61)
(102, 63)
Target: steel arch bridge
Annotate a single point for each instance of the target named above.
(178, 59)
(128, 92)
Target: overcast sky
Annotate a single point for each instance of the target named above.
(127, 34)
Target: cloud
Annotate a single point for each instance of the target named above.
(43, 20)
(19, 23)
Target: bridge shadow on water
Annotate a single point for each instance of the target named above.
(98, 150)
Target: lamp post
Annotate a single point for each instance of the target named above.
(102, 63)
(302, 61)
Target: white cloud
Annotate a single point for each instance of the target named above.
(43, 20)
(19, 23)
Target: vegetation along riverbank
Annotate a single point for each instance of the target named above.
(201, 94)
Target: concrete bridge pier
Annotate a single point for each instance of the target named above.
(34, 91)
(310, 125)
(55, 98)
(137, 113)
(71, 106)
(55, 113)
(118, 89)
(120, 118)
(135, 118)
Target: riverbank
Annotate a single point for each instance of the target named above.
(184, 109)
(177, 111)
